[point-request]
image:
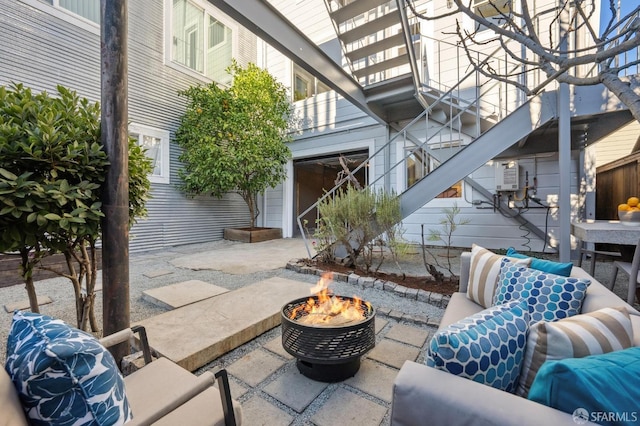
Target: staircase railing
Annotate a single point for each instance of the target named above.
(457, 107)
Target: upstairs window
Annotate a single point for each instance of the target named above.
(305, 85)
(492, 10)
(200, 41)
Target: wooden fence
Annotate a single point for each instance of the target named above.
(10, 268)
(615, 182)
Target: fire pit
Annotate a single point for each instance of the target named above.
(328, 334)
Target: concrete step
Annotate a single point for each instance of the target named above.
(181, 294)
(198, 333)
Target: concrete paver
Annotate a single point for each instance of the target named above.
(255, 367)
(157, 273)
(374, 379)
(347, 408)
(181, 294)
(380, 324)
(258, 412)
(237, 389)
(393, 353)
(406, 334)
(196, 334)
(275, 346)
(274, 254)
(24, 304)
(295, 390)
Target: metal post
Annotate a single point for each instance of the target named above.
(564, 152)
(115, 198)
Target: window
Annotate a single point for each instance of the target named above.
(420, 164)
(200, 41)
(305, 85)
(88, 9)
(84, 14)
(492, 10)
(156, 144)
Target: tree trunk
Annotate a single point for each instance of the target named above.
(625, 92)
(27, 274)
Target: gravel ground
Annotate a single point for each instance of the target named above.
(60, 290)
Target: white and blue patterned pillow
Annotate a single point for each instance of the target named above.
(487, 347)
(551, 297)
(63, 376)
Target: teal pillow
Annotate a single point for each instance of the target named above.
(563, 269)
(604, 387)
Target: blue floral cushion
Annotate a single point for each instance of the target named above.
(550, 297)
(64, 376)
(487, 347)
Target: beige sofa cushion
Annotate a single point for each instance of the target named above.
(11, 413)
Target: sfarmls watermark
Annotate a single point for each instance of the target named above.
(582, 416)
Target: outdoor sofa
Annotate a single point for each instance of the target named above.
(159, 393)
(423, 395)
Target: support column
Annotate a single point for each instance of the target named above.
(115, 197)
(564, 150)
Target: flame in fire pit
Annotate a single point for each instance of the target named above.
(326, 309)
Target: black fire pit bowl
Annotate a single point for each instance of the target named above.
(327, 353)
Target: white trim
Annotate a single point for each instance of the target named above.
(65, 15)
(164, 136)
(288, 220)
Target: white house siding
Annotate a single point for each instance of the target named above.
(618, 144)
(491, 229)
(42, 50)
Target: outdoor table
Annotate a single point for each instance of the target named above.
(605, 231)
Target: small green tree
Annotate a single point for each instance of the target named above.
(448, 225)
(52, 169)
(234, 139)
(358, 220)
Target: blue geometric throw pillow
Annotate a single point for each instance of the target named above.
(487, 347)
(64, 376)
(550, 297)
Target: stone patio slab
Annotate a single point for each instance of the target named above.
(157, 273)
(295, 390)
(347, 408)
(24, 304)
(380, 324)
(258, 412)
(406, 334)
(393, 353)
(181, 294)
(374, 379)
(255, 366)
(196, 334)
(275, 346)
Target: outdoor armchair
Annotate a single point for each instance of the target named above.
(163, 393)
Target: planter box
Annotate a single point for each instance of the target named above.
(255, 235)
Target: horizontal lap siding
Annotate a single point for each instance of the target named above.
(42, 51)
